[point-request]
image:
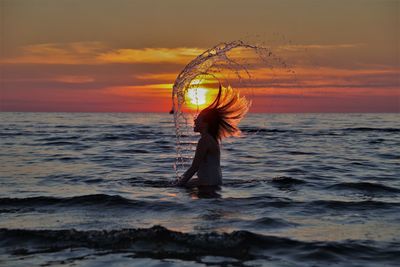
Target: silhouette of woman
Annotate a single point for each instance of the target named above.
(219, 120)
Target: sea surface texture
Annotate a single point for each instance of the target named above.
(93, 189)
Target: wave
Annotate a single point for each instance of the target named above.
(324, 205)
(59, 138)
(273, 222)
(62, 158)
(133, 151)
(159, 242)
(6, 134)
(97, 200)
(366, 187)
(283, 180)
(111, 137)
(162, 183)
(104, 201)
(263, 130)
(62, 143)
(301, 153)
(312, 207)
(370, 129)
(389, 156)
(166, 182)
(23, 133)
(376, 141)
(140, 182)
(329, 132)
(244, 182)
(74, 126)
(137, 134)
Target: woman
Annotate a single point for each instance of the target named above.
(217, 121)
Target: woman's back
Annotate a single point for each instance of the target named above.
(209, 172)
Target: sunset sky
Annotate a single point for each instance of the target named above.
(124, 55)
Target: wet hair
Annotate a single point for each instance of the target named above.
(224, 114)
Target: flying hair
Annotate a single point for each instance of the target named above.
(225, 112)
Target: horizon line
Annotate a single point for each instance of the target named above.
(166, 112)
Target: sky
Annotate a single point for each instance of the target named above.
(124, 55)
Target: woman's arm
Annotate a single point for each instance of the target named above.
(201, 151)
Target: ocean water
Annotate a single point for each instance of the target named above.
(92, 189)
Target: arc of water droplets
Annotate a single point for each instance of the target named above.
(206, 64)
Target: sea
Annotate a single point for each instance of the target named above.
(94, 189)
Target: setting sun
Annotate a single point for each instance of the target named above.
(197, 96)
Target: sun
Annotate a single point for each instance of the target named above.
(197, 96)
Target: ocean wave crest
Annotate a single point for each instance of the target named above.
(161, 242)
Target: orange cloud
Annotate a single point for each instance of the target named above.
(318, 46)
(178, 55)
(74, 79)
(98, 53)
(157, 76)
(58, 53)
(324, 77)
(138, 91)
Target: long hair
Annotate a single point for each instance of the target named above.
(224, 114)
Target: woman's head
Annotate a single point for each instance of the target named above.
(221, 118)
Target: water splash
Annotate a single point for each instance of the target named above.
(226, 64)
